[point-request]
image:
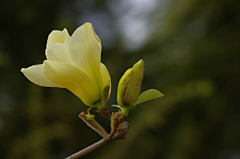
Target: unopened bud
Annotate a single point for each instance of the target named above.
(130, 84)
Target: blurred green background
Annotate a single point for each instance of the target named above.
(191, 50)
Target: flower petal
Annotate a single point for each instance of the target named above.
(73, 79)
(59, 52)
(85, 50)
(36, 75)
(57, 36)
(105, 77)
(67, 37)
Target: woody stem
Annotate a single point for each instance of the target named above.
(121, 134)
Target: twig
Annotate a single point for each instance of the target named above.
(121, 134)
(116, 124)
(93, 124)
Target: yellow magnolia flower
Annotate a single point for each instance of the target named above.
(73, 63)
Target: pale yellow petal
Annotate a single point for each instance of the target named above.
(96, 37)
(70, 77)
(105, 77)
(57, 36)
(67, 37)
(36, 75)
(59, 52)
(85, 50)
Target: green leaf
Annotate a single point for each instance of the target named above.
(148, 95)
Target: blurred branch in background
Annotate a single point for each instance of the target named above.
(191, 50)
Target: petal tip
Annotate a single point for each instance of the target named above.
(87, 23)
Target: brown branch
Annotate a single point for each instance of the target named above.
(116, 123)
(93, 124)
(121, 134)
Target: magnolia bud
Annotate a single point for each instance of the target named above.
(130, 84)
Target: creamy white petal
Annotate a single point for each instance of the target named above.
(36, 75)
(70, 77)
(85, 50)
(57, 36)
(59, 52)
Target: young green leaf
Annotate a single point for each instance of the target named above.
(148, 95)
